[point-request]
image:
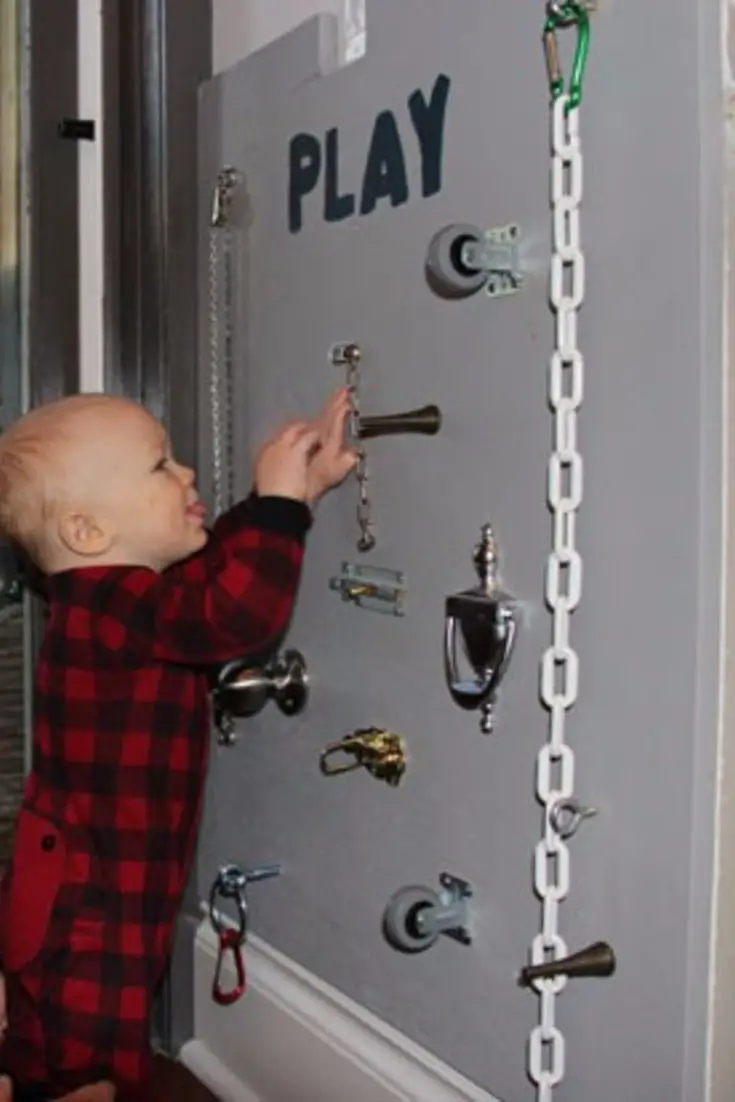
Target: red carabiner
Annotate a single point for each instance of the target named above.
(229, 939)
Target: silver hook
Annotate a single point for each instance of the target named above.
(232, 882)
(566, 815)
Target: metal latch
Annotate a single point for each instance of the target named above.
(496, 253)
(372, 587)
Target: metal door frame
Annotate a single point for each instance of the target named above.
(156, 53)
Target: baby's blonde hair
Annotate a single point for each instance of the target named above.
(34, 474)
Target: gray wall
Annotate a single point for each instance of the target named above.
(644, 728)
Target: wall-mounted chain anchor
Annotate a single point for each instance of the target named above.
(231, 885)
(595, 960)
(372, 587)
(417, 916)
(222, 194)
(567, 815)
(382, 753)
(463, 259)
(484, 620)
(425, 421)
(243, 690)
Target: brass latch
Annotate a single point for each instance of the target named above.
(382, 753)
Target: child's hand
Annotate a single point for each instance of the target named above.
(333, 460)
(281, 469)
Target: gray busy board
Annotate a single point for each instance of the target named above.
(343, 178)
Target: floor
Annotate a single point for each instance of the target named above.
(173, 1082)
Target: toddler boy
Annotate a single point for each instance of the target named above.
(143, 604)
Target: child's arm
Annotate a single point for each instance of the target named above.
(226, 529)
(236, 597)
(236, 600)
(329, 465)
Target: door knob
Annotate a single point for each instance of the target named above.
(242, 690)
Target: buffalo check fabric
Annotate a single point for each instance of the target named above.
(107, 829)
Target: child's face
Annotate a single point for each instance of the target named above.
(143, 506)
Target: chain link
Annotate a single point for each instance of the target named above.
(366, 540)
(221, 365)
(560, 663)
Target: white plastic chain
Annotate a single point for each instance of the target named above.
(560, 664)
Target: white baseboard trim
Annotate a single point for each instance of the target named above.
(293, 1038)
(210, 1071)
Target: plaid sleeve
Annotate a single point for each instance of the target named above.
(227, 529)
(229, 524)
(235, 597)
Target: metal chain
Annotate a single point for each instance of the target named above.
(366, 540)
(221, 375)
(560, 663)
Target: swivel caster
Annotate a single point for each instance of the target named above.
(462, 259)
(417, 915)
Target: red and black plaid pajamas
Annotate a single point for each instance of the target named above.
(107, 829)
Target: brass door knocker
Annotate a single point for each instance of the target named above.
(382, 753)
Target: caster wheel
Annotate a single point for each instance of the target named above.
(444, 268)
(401, 924)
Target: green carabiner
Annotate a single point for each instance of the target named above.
(566, 14)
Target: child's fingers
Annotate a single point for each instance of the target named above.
(286, 433)
(338, 401)
(345, 462)
(295, 430)
(335, 429)
(336, 407)
(336, 398)
(308, 440)
(287, 436)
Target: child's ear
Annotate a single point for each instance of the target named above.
(84, 534)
